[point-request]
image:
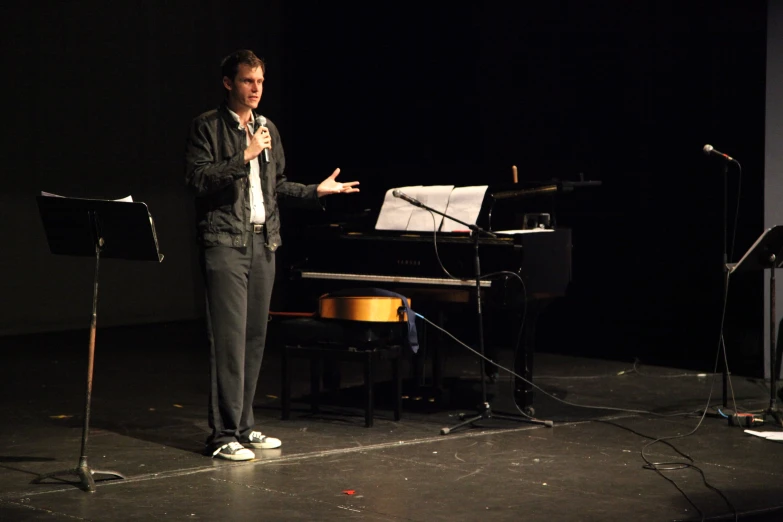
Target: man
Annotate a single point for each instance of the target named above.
(234, 164)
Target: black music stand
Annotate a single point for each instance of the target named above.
(767, 252)
(94, 227)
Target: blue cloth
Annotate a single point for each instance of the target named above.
(413, 338)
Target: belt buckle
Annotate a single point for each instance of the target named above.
(257, 229)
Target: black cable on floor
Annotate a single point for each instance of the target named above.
(660, 467)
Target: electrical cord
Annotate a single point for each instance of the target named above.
(486, 276)
(658, 467)
(526, 381)
(628, 371)
(519, 335)
(736, 210)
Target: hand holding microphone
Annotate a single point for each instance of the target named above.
(267, 137)
(260, 143)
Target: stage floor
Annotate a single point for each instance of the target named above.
(149, 423)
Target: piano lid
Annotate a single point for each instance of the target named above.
(503, 207)
(534, 189)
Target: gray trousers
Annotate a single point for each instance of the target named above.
(238, 284)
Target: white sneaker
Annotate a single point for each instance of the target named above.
(233, 451)
(258, 440)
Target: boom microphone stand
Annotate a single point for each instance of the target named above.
(484, 409)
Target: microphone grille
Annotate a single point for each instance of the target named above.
(707, 149)
(396, 193)
(261, 120)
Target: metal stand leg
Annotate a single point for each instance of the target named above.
(772, 412)
(83, 471)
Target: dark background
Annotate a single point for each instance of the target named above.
(98, 101)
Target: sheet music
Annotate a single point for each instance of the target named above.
(395, 213)
(523, 231)
(437, 197)
(769, 435)
(126, 199)
(465, 205)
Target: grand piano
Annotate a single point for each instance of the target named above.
(342, 255)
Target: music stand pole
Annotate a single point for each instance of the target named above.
(772, 411)
(82, 470)
(484, 409)
(81, 227)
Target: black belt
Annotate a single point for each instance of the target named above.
(258, 229)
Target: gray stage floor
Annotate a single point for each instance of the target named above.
(149, 423)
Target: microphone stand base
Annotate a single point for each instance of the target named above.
(485, 412)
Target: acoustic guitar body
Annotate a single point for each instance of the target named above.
(375, 309)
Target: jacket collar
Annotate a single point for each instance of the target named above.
(230, 120)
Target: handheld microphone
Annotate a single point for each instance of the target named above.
(709, 149)
(399, 194)
(261, 121)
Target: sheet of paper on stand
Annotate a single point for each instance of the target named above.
(126, 199)
(436, 197)
(465, 205)
(523, 231)
(395, 213)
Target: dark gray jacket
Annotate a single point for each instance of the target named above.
(215, 170)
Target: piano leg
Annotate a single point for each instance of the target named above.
(524, 394)
(439, 356)
(418, 366)
(431, 348)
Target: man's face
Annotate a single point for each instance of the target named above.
(244, 91)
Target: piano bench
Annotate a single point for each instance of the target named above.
(318, 353)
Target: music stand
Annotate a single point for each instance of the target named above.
(100, 228)
(767, 252)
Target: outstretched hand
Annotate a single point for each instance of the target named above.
(331, 186)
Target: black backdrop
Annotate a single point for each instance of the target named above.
(399, 93)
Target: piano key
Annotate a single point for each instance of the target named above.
(376, 278)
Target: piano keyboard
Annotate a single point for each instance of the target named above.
(392, 279)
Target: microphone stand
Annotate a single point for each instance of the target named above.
(726, 271)
(484, 409)
(724, 362)
(725, 372)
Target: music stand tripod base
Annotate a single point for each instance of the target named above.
(83, 472)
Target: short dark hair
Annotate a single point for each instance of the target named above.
(230, 64)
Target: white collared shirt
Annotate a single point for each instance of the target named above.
(257, 212)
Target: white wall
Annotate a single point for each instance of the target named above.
(773, 156)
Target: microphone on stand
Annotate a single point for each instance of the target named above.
(399, 194)
(261, 122)
(709, 149)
